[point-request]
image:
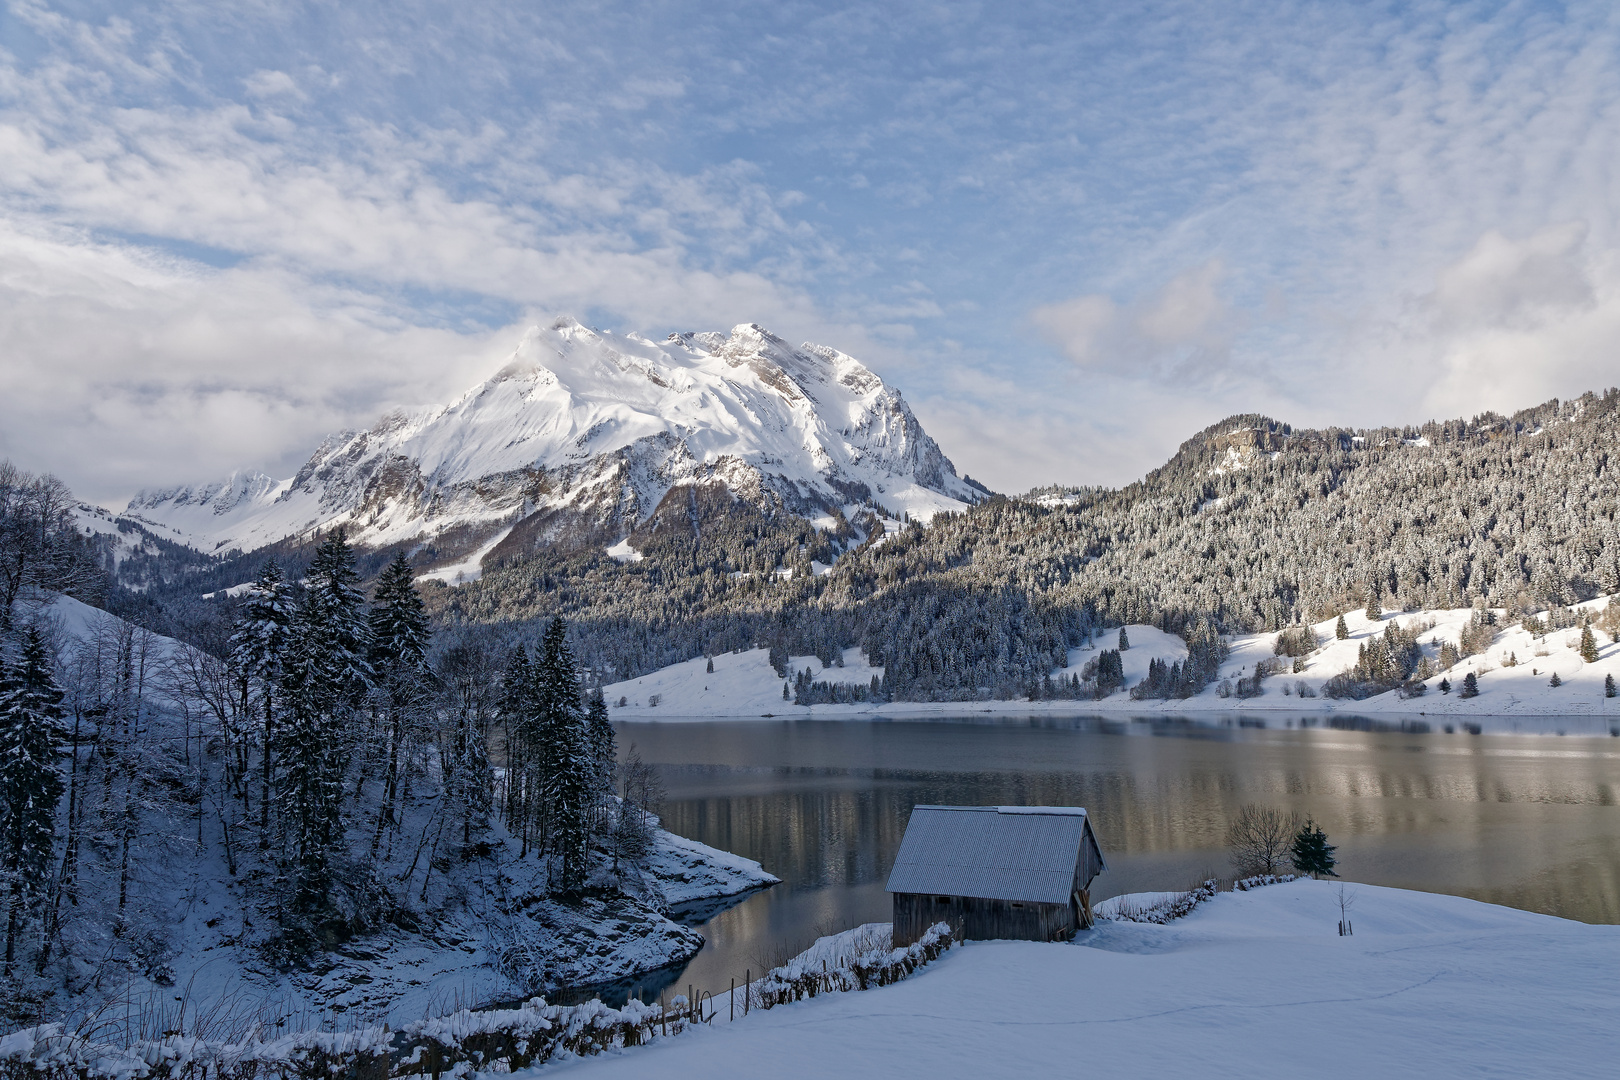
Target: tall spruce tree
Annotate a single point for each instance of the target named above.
(567, 771)
(603, 742)
(325, 682)
(259, 644)
(399, 639)
(1340, 630)
(524, 757)
(30, 782)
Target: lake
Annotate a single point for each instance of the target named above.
(1531, 821)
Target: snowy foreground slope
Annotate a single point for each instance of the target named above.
(595, 427)
(435, 934)
(1250, 985)
(745, 685)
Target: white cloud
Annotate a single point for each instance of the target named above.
(1183, 328)
(272, 84)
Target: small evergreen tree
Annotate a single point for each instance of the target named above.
(1608, 686)
(1313, 855)
(1589, 650)
(1124, 640)
(1555, 681)
(30, 783)
(1470, 686)
(1340, 630)
(710, 668)
(1445, 686)
(1375, 610)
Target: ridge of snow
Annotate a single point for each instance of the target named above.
(592, 420)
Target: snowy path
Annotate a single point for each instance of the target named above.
(1250, 985)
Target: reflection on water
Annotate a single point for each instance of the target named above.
(1529, 821)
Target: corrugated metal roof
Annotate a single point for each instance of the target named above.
(1003, 853)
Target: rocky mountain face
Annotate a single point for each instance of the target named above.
(580, 436)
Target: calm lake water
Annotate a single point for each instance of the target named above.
(1528, 821)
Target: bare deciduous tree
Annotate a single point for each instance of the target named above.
(40, 546)
(1261, 839)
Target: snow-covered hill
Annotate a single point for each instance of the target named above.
(1514, 675)
(1255, 984)
(591, 430)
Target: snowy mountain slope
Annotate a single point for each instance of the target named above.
(593, 429)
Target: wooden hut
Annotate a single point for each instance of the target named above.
(1021, 872)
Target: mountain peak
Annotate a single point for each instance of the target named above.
(598, 427)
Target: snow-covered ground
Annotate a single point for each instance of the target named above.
(472, 567)
(1252, 985)
(743, 684)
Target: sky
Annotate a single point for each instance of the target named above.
(1073, 234)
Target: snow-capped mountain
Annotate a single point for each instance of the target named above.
(595, 429)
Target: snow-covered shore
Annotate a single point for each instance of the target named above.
(744, 684)
(1253, 985)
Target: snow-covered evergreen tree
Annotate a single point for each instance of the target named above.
(30, 781)
(326, 679)
(1589, 649)
(568, 768)
(259, 644)
(400, 635)
(399, 640)
(603, 742)
(525, 756)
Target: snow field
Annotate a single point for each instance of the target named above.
(742, 684)
(1253, 985)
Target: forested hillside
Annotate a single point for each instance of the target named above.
(1252, 525)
